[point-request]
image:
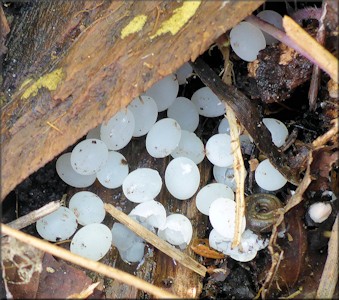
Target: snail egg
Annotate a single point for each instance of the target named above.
(87, 207)
(209, 193)
(123, 238)
(183, 73)
(185, 112)
(320, 211)
(164, 92)
(141, 185)
(114, 172)
(145, 114)
(57, 226)
(151, 212)
(218, 150)
(133, 254)
(68, 175)
(272, 17)
(268, 177)
(118, 131)
(94, 133)
(178, 230)
(222, 217)
(190, 146)
(163, 138)
(247, 40)
(277, 129)
(92, 241)
(182, 178)
(89, 156)
(208, 103)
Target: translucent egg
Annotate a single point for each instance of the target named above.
(183, 73)
(57, 226)
(182, 178)
(247, 40)
(222, 217)
(277, 129)
(87, 207)
(226, 176)
(178, 230)
(68, 175)
(218, 150)
(190, 146)
(163, 138)
(118, 131)
(133, 254)
(94, 133)
(209, 193)
(164, 92)
(92, 241)
(268, 177)
(272, 17)
(224, 126)
(185, 112)
(89, 156)
(145, 112)
(123, 238)
(152, 212)
(141, 185)
(208, 103)
(114, 172)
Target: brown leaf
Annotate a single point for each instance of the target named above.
(59, 280)
(323, 159)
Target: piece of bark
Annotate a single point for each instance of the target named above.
(99, 72)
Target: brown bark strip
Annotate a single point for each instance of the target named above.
(99, 71)
(248, 115)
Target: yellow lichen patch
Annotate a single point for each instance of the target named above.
(180, 17)
(49, 81)
(136, 24)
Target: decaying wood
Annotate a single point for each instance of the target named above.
(86, 263)
(248, 115)
(99, 72)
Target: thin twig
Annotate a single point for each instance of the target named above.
(157, 242)
(87, 263)
(329, 277)
(323, 139)
(35, 215)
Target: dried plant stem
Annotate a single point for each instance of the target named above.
(87, 263)
(157, 242)
(33, 216)
(329, 277)
(323, 139)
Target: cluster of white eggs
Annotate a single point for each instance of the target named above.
(247, 40)
(97, 157)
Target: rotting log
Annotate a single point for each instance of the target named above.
(79, 70)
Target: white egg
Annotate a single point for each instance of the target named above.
(182, 178)
(114, 172)
(178, 230)
(163, 138)
(218, 150)
(320, 211)
(68, 175)
(89, 156)
(87, 207)
(151, 212)
(118, 131)
(268, 177)
(164, 92)
(224, 126)
(141, 185)
(94, 133)
(190, 146)
(133, 254)
(183, 73)
(247, 40)
(272, 17)
(57, 226)
(185, 112)
(208, 104)
(209, 193)
(123, 238)
(222, 217)
(92, 241)
(145, 112)
(277, 129)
